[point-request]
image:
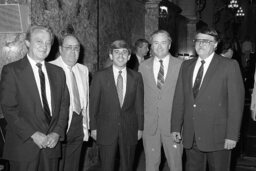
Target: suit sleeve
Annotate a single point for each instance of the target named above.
(235, 101)
(253, 98)
(94, 101)
(178, 104)
(62, 122)
(10, 105)
(86, 118)
(140, 102)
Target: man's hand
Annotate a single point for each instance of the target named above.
(139, 134)
(52, 139)
(229, 144)
(253, 115)
(40, 139)
(94, 134)
(176, 137)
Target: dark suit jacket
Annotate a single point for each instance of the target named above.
(22, 108)
(133, 62)
(106, 115)
(215, 114)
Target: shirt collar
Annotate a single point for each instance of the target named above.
(116, 70)
(207, 60)
(65, 65)
(165, 59)
(33, 62)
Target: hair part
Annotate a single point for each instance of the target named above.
(69, 31)
(139, 43)
(209, 31)
(34, 28)
(119, 44)
(64, 36)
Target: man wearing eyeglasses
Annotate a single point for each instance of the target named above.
(116, 109)
(78, 86)
(208, 106)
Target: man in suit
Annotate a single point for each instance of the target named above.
(34, 99)
(116, 109)
(208, 106)
(78, 86)
(141, 51)
(160, 75)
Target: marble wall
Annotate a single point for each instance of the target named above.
(96, 22)
(81, 15)
(119, 20)
(12, 46)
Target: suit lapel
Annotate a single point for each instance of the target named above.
(190, 72)
(30, 82)
(52, 79)
(110, 79)
(208, 75)
(169, 77)
(128, 86)
(150, 72)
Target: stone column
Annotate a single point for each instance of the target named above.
(151, 18)
(189, 11)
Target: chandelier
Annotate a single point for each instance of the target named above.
(233, 4)
(240, 12)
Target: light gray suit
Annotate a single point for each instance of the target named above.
(157, 116)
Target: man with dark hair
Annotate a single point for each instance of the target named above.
(141, 50)
(116, 109)
(160, 74)
(78, 86)
(208, 106)
(34, 99)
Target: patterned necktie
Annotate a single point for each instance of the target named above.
(198, 80)
(76, 97)
(119, 87)
(160, 76)
(43, 93)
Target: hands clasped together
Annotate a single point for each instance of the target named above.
(43, 141)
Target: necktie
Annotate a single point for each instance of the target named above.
(119, 87)
(43, 93)
(160, 76)
(76, 97)
(198, 80)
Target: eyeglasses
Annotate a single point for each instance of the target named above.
(203, 42)
(72, 48)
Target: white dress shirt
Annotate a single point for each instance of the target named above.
(197, 66)
(124, 75)
(81, 73)
(156, 66)
(37, 78)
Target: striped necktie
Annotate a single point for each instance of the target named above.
(119, 86)
(198, 79)
(160, 76)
